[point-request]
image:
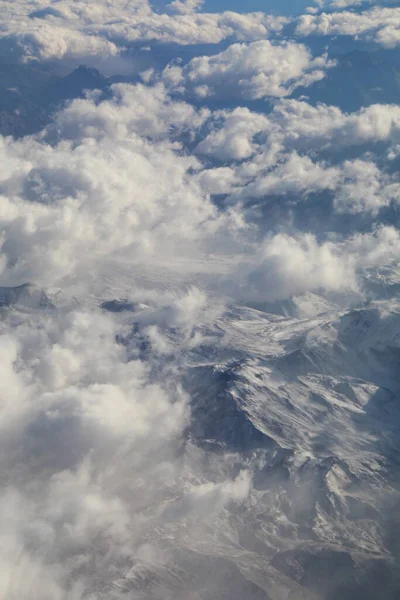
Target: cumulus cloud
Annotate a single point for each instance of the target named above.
(111, 206)
(93, 436)
(297, 174)
(235, 139)
(357, 186)
(287, 265)
(110, 198)
(325, 126)
(77, 30)
(255, 70)
(339, 4)
(79, 407)
(186, 6)
(297, 125)
(92, 454)
(364, 187)
(283, 149)
(147, 112)
(379, 24)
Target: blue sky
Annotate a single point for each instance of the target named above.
(284, 7)
(279, 6)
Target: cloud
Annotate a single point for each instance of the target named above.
(92, 447)
(363, 187)
(324, 126)
(30, 42)
(210, 498)
(295, 151)
(235, 139)
(286, 265)
(250, 71)
(110, 199)
(186, 6)
(78, 30)
(85, 430)
(340, 4)
(144, 111)
(296, 174)
(297, 125)
(379, 24)
(357, 186)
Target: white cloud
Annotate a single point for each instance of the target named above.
(78, 30)
(220, 180)
(284, 154)
(234, 140)
(339, 4)
(297, 174)
(297, 125)
(91, 451)
(87, 438)
(251, 71)
(364, 188)
(186, 6)
(287, 265)
(139, 110)
(209, 498)
(304, 126)
(357, 186)
(378, 24)
(69, 205)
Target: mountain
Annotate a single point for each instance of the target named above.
(26, 295)
(310, 407)
(30, 94)
(360, 78)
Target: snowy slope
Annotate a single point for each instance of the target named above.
(324, 393)
(309, 407)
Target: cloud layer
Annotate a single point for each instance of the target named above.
(250, 71)
(79, 30)
(132, 228)
(380, 25)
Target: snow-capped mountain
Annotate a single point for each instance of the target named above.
(308, 409)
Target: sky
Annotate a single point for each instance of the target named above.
(289, 7)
